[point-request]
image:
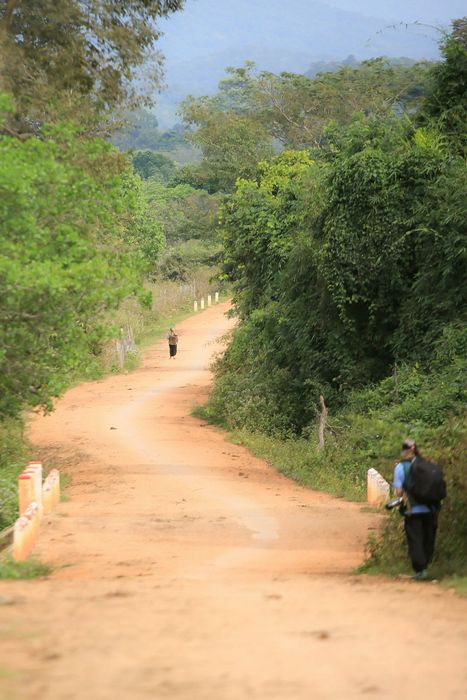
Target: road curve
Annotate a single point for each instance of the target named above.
(187, 569)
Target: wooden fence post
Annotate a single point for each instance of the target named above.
(322, 423)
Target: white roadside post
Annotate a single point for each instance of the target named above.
(35, 469)
(378, 488)
(202, 304)
(209, 300)
(216, 297)
(195, 306)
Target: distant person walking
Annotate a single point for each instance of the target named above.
(423, 485)
(172, 337)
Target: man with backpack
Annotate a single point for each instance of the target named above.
(423, 484)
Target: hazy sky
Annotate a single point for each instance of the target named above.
(412, 10)
(288, 35)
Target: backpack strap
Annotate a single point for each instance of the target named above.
(407, 468)
(406, 473)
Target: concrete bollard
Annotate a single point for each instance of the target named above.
(209, 300)
(202, 303)
(36, 469)
(195, 307)
(32, 514)
(370, 484)
(54, 476)
(20, 539)
(378, 488)
(216, 298)
(25, 491)
(47, 497)
(383, 490)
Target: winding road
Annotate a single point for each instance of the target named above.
(186, 569)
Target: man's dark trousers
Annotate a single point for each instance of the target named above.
(420, 529)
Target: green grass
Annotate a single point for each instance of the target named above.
(300, 460)
(15, 451)
(458, 583)
(29, 569)
(66, 480)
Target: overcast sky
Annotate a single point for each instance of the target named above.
(288, 35)
(412, 10)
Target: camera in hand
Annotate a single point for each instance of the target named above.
(395, 503)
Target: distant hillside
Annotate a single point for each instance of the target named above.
(330, 66)
(211, 34)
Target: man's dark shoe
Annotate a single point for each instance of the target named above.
(420, 576)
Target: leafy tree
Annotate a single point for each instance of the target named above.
(232, 144)
(71, 57)
(149, 164)
(72, 233)
(297, 109)
(188, 218)
(184, 212)
(447, 88)
(259, 225)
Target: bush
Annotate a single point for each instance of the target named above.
(14, 453)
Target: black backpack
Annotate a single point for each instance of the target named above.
(425, 482)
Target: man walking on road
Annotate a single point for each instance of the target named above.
(172, 337)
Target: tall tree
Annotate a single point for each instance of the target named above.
(447, 88)
(58, 56)
(75, 242)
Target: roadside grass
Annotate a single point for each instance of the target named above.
(300, 460)
(29, 569)
(458, 583)
(15, 451)
(66, 479)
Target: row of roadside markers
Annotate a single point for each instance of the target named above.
(36, 499)
(378, 488)
(202, 304)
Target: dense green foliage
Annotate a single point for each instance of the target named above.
(75, 241)
(447, 89)
(188, 218)
(157, 165)
(343, 268)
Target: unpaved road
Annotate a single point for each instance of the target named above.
(186, 569)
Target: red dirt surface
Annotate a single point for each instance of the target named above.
(187, 569)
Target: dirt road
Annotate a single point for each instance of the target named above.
(186, 569)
